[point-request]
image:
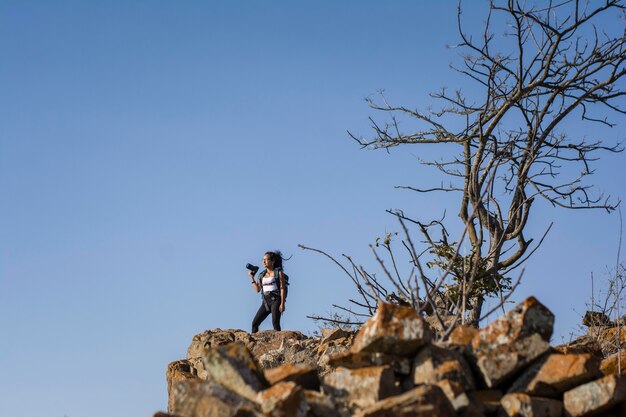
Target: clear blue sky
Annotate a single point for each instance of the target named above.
(150, 149)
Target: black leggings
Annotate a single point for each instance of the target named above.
(273, 303)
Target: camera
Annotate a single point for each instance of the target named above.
(252, 268)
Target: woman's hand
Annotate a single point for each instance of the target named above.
(282, 307)
(251, 274)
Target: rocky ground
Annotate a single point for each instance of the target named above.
(394, 366)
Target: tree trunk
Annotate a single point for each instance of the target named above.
(474, 314)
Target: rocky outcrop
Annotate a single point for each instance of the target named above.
(394, 366)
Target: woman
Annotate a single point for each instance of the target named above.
(272, 282)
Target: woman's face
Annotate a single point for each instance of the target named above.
(267, 262)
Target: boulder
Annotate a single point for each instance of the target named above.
(195, 398)
(596, 318)
(523, 405)
(283, 344)
(512, 342)
(352, 360)
(285, 399)
(177, 371)
(472, 411)
(217, 337)
(393, 329)
(462, 335)
(423, 401)
(595, 397)
(303, 375)
(233, 367)
(557, 373)
(321, 405)
(499, 364)
(487, 401)
(335, 334)
(614, 364)
(433, 364)
(456, 394)
(609, 339)
(360, 387)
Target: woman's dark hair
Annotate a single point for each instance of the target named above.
(277, 258)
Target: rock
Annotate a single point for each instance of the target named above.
(217, 337)
(334, 334)
(285, 399)
(583, 344)
(423, 401)
(609, 339)
(556, 373)
(360, 387)
(472, 411)
(512, 342)
(595, 397)
(352, 360)
(487, 401)
(259, 344)
(233, 367)
(462, 335)
(523, 405)
(456, 394)
(614, 364)
(438, 327)
(433, 364)
(177, 371)
(321, 405)
(596, 318)
(303, 375)
(393, 329)
(195, 398)
(500, 363)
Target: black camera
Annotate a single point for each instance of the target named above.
(252, 268)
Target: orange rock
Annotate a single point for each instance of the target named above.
(393, 329)
(177, 371)
(285, 399)
(462, 335)
(614, 364)
(556, 374)
(334, 334)
(303, 375)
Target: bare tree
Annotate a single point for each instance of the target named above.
(552, 62)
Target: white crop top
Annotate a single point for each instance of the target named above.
(269, 284)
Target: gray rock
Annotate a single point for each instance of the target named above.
(595, 397)
(233, 367)
(523, 405)
(360, 387)
(423, 401)
(196, 398)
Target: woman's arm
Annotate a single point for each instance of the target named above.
(282, 291)
(257, 287)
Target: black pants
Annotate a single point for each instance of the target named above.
(271, 304)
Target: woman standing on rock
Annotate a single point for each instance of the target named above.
(272, 282)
